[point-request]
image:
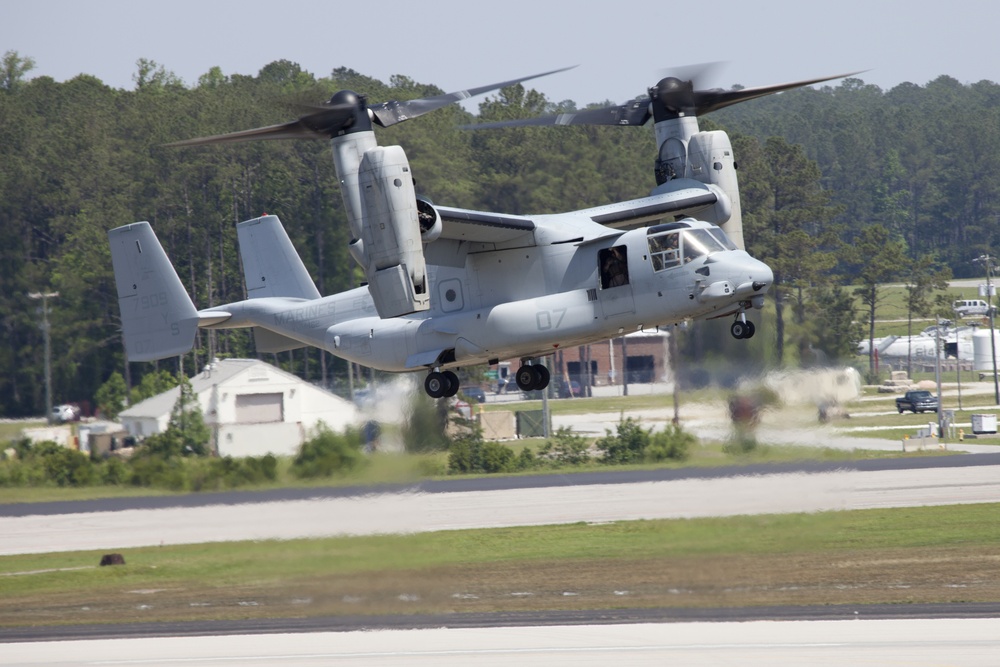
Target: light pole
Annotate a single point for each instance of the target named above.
(937, 376)
(45, 296)
(988, 261)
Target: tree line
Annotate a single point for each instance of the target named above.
(823, 172)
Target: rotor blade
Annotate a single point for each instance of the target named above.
(315, 125)
(711, 100)
(635, 112)
(293, 130)
(390, 113)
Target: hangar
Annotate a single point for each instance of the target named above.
(253, 409)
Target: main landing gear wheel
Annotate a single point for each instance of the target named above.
(441, 384)
(742, 329)
(532, 378)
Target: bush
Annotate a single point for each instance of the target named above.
(566, 448)
(627, 446)
(471, 454)
(153, 470)
(527, 460)
(672, 443)
(634, 444)
(327, 453)
(114, 471)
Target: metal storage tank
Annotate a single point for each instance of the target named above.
(982, 351)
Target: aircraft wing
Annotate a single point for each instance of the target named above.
(460, 224)
(683, 201)
(685, 197)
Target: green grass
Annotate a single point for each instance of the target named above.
(12, 430)
(232, 562)
(928, 554)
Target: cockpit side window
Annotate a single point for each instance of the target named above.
(664, 250)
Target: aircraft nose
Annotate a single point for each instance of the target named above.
(753, 277)
(761, 275)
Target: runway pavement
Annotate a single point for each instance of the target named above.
(895, 483)
(967, 642)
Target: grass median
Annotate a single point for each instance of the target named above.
(931, 554)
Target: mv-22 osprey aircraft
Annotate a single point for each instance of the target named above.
(449, 287)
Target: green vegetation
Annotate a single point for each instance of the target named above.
(927, 554)
(328, 453)
(80, 157)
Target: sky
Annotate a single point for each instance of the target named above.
(620, 48)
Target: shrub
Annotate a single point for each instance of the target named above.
(157, 471)
(526, 460)
(566, 448)
(328, 452)
(672, 443)
(628, 445)
(114, 471)
(471, 454)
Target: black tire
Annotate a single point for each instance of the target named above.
(543, 377)
(751, 330)
(452, 383)
(526, 377)
(738, 329)
(436, 384)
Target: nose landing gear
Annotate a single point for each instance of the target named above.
(441, 384)
(742, 328)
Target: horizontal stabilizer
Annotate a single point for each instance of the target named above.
(271, 266)
(158, 318)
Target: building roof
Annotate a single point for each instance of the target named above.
(214, 375)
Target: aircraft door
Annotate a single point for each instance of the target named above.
(615, 291)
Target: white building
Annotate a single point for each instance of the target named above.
(252, 408)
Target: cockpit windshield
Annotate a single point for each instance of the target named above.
(721, 237)
(679, 246)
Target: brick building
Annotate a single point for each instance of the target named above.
(648, 360)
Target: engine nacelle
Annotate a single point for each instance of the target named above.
(430, 220)
(390, 249)
(711, 161)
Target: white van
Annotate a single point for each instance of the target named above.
(971, 307)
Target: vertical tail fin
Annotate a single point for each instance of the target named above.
(271, 266)
(158, 318)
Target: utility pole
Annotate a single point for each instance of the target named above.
(937, 376)
(988, 261)
(46, 332)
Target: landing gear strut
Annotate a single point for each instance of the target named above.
(441, 384)
(532, 377)
(742, 328)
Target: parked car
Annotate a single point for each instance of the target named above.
(65, 413)
(917, 401)
(474, 393)
(572, 389)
